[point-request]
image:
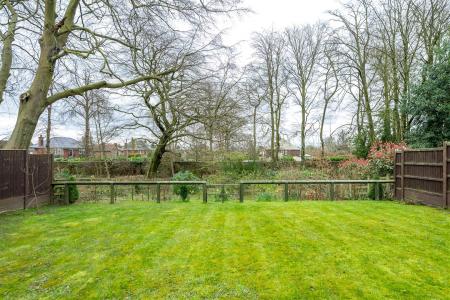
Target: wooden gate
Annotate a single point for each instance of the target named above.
(422, 175)
(25, 179)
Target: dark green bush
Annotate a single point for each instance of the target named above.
(361, 146)
(184, 190)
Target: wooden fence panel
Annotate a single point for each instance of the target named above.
(421, 176)
(22, 177)
(12, 179)
(40, 177)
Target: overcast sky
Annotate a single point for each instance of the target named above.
(267, 14)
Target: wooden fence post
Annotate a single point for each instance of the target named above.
(445, 175)
(402, 177)
(300, 192)
(148, 193)
(286, 191)
(158, 193)
(332, 191)
(241, 192)
(205, 193)
(112, 193)
(66, 193)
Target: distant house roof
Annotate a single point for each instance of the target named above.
(108, 147)
(61, 142)
(140, 145)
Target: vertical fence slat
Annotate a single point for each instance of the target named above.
(286, 192)
(205, 193)
(158, 193)
(112, 192)
(445, 175)
(402, 176)
(241, 192)
(66, 194)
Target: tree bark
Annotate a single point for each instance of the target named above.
(157, 155)
(322, 123)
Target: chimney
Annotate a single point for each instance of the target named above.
(41, 141)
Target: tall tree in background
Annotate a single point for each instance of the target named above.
(354, 37)
(305, 52)
(270, 56)
(329, 87)
(253, 90)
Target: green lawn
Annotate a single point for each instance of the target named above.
(307, 250)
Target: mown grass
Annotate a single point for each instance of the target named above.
(307, 250)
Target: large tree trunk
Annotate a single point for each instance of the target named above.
(27, 118)
(157, 155)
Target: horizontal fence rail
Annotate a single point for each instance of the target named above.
(241, 186)
(331, 184)
(112, 185)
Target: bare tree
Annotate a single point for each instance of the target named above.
(329, 81)
(106, 125)
(354, 39)
(270, 50)
(218, 109)
(253, 90)
(305, 51)
(84, 107)
(65, 31)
